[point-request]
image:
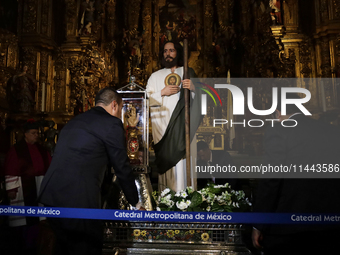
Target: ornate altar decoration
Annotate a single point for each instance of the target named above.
(183, 238)
(174, 238)
(88, 72)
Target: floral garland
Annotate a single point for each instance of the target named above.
(212, 198)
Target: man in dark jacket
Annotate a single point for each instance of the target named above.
(87, 144)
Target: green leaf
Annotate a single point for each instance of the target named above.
(196, 199)
(198, 209)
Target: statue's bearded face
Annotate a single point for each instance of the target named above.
(169, 55)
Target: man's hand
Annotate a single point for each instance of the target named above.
(169, 90)
(187, 84)
(257, 238)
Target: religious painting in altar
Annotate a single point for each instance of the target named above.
(177, 19)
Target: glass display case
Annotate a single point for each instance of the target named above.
(135, 118)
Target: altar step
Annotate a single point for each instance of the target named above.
(176, 249)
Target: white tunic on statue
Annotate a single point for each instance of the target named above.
(161, 109)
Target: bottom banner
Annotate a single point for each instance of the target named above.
(160, 216)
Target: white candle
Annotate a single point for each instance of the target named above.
(323, 97)
(43, 94)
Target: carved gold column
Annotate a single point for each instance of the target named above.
(323, 9)
(110, 19)
(245, 10)
(29, 12)
(337, 68)
(133, 16)
(9, 51)
(325, 58)
(71, 48)
(110, 44)
(327, 30)
(326, 70)
(35, 39)
(59, 83)
(70, 19)
(46, 17)
(29, 58)
(207, 30)
(43, 74)
(293, 37)
(156, 30)
(308, 71)
(147, 37)
(291, 16)
(223, 22)
(335, 60)
(223, 13)
(28, 31)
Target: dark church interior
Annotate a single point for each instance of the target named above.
(55, 55)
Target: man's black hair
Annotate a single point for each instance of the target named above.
(107, 95)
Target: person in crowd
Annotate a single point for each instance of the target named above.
(25, 166)
(86, 145)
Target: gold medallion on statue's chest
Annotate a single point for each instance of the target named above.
(172, 79)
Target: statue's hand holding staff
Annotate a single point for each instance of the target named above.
(187, 84)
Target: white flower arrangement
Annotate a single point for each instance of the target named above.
(212, 198)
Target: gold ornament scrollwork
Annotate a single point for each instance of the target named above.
(8, 49)
(207, 34)
(30, 16)
(133, 16)
(337, 47)
(306, 57)
(289, 64)
(110, 18)
(44, 16)
(324, 10)
(59, 79)
(29, 57)
(147, 26)
(222, 13)
(325, 58)
(71, 10)
(43, 66)
(70, 17)
(88, 72)
(336, 4)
